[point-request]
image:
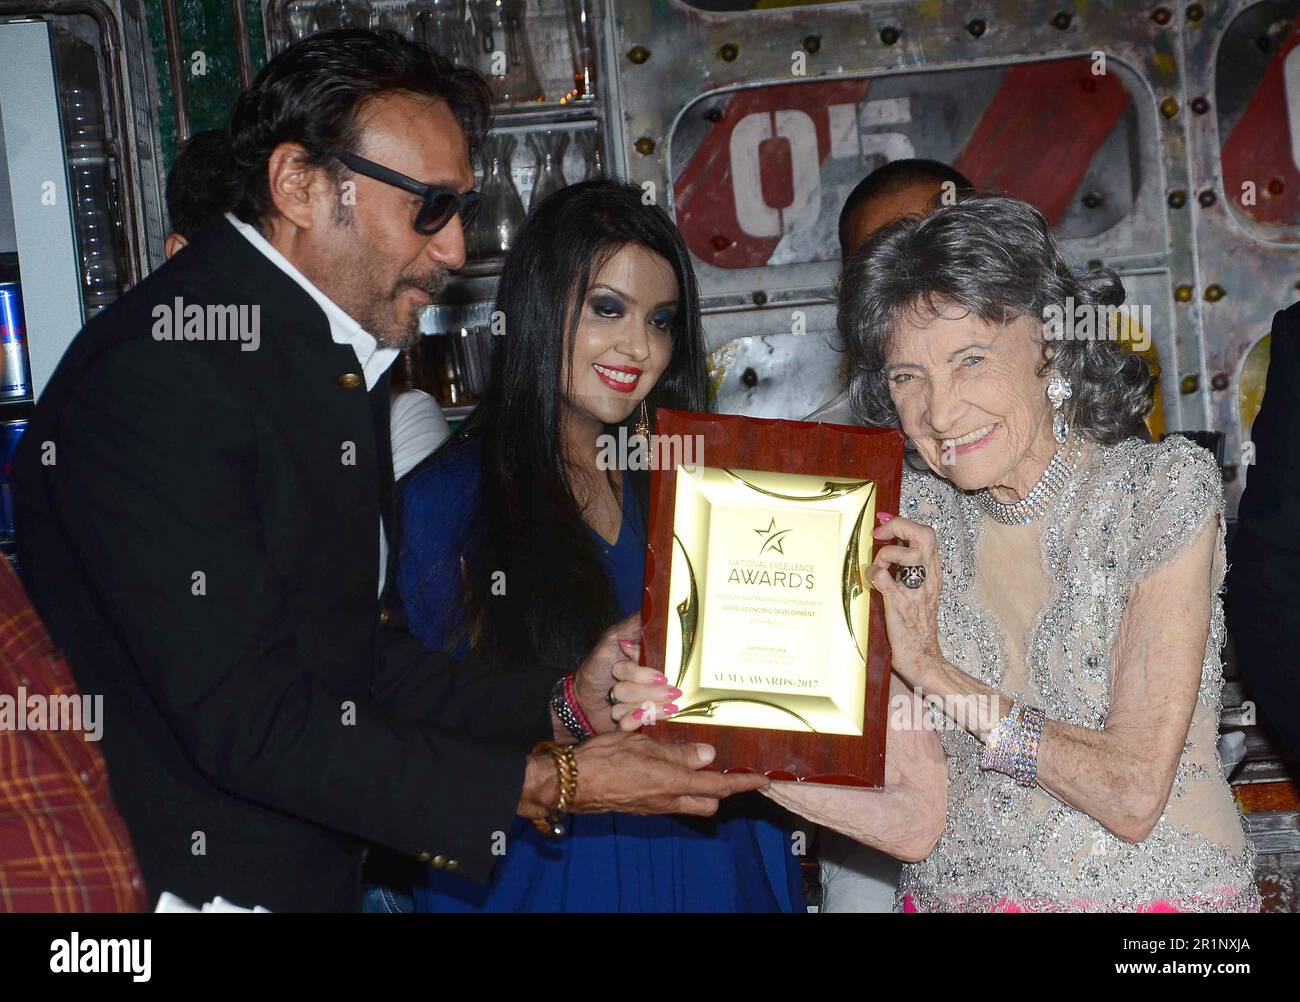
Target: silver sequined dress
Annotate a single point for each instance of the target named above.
(1126, 511)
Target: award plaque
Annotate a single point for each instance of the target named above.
(756, 604)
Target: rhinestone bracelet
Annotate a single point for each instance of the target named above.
(564, 709)
(571, 694)
(1002, 745)
(1031, 729)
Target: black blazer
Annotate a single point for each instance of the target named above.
(1263, 603)
(197, 541)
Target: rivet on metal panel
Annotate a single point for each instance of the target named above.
(638, 54)
(720, 243)
(1200, 105)
(1183, 293)
(1169, 107)
(714, 114)
(1275, 186)
(812, 43)
(889, 35)
(760, 298)
(1213, 293)
(1189, 384)
(749, 377)
(1161, 15)
(1177, 198)
(729, 52)
(976, 26)
(645, 146)
(1219, 381)
(1206, 198)
(1062, 20)
(1195, 12)
(1091, 200)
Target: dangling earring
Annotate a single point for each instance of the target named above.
(643, 429)
(1059, 391)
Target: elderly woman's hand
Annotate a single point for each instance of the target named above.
(910, 613)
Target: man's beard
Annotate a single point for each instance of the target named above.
(393, 330)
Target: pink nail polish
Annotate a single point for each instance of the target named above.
(626, 643)
(884, 516)
(661, 680)
(674, 693)
(668, 710)
(638, 714)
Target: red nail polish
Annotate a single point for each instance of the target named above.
(668, 710)
(638, 714)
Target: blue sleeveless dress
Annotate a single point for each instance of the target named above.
(738, 861)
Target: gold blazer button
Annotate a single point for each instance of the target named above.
(349, 380)
(383, 616)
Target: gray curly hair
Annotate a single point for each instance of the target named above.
(994, 255)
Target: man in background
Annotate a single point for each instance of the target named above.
(199, 187)
(899, 188)
(1264, 572)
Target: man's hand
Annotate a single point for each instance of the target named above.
(612, 666)
(632, 774)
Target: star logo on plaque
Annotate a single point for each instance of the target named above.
(774, 538)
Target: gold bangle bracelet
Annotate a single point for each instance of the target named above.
(566, 771)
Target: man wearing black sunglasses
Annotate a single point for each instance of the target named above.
(208, 531)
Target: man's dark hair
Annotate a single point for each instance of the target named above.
(200, 185)
(897, 175)
(310, 94)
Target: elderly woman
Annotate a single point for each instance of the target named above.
(1054, 589)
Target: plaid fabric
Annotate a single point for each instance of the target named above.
(63, 846)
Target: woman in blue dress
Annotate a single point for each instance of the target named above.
(522, 541)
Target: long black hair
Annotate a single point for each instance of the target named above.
(558, 599)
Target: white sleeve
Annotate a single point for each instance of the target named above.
(418, 427)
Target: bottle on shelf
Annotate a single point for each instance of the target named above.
(588, 141)
(582, 48)
(332, 14)
(548, 146)
(493, 233)
(502, 53)
(441, 25)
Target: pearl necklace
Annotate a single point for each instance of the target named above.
(1032, 505)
